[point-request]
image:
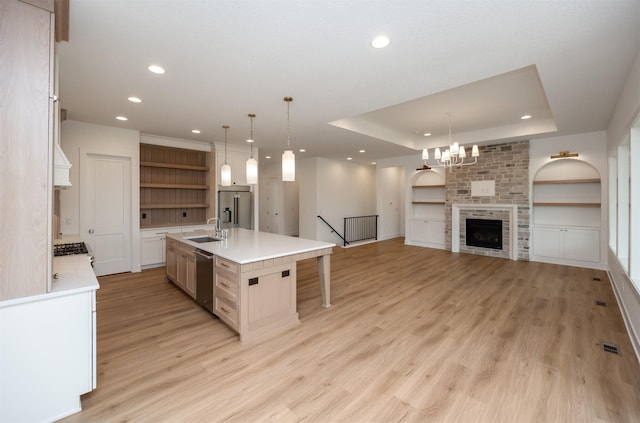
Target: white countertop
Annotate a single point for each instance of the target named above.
(75, 275)
(246, 246)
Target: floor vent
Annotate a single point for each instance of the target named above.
(610, 348)
(601, 303)
(595, 278)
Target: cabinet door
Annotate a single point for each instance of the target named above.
(435, 232)
(190, 280)
(582, 244)
(181, 278)
(273, 296)
(548, 242)
(172, 263)
(152, 250)
(26, 72)
(419, 230)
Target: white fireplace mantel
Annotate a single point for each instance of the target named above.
(513, 224)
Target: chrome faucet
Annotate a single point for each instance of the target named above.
(216, 221)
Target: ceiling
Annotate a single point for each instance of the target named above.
(485, 62)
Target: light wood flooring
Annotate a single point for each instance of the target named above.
(413, 334)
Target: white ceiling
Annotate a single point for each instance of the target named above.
(486, 62)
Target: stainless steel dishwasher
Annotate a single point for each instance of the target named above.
(204, 278)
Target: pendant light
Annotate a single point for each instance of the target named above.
(225, 170)
(252, 164)
(288, 158)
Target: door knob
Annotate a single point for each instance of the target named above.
(90, 231)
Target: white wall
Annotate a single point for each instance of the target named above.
(283, 199)
(409, 164)
(627, 111)
(99, 139)
(592, 149)
(334, 190)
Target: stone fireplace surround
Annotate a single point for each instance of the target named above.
(508, 165)
(508, 213)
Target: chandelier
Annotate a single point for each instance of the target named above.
(454, 156)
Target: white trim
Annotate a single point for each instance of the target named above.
(513, 224)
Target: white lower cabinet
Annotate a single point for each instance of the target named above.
(566, 244)
(427, 232)
(48, 356)
(153, 243)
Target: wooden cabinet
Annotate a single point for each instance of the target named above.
(181, 266)
(427, 221)
(26, 149)
(174, 186)
(227, 292)
(566, 213)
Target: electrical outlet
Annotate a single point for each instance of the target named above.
(184, 214)
(144, 215)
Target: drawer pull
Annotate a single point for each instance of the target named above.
(224, 284)
(224, 265)
(225, 310)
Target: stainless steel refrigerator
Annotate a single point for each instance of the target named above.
(235, 207)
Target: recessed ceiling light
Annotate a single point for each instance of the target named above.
(525, 117)
(156, 69)
(373, 163)
(249, 140)
(349, 158)
(134, 100)
(361, 151)
(121, 118)
(195, 131)
(380, 42)
(267, 157)
(302, 150)
(427, 134)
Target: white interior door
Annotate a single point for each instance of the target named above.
(391, 210)
(273, 204)
(105, 211)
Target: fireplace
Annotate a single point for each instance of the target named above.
(484, 233)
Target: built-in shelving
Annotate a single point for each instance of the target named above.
(174, 186)
(566, 213)
(426, 225)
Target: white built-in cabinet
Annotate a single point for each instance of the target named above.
(238, 162)
(153, 243)
(567, 213)
(427, 219)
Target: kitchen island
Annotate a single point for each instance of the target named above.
(254, 276)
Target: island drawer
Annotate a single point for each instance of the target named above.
(227, 285)
(226, 308)
(228, 266)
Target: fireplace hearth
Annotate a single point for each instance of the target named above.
(484, 233)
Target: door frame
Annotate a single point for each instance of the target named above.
(134, 199)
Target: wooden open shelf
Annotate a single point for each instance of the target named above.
(174, 206)
(173, 166)
(173, 186)
(427, 202)
(567, 204)
(427, 186)
(567, 181)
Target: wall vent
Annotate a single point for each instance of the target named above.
(595, 278)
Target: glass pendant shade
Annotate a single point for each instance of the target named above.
(438, 156)
(252, 171)
(225, 175)
(425, 154)
(474, 151)
(288, 166)
(461, 153)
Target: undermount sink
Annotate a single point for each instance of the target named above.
(202, 239)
